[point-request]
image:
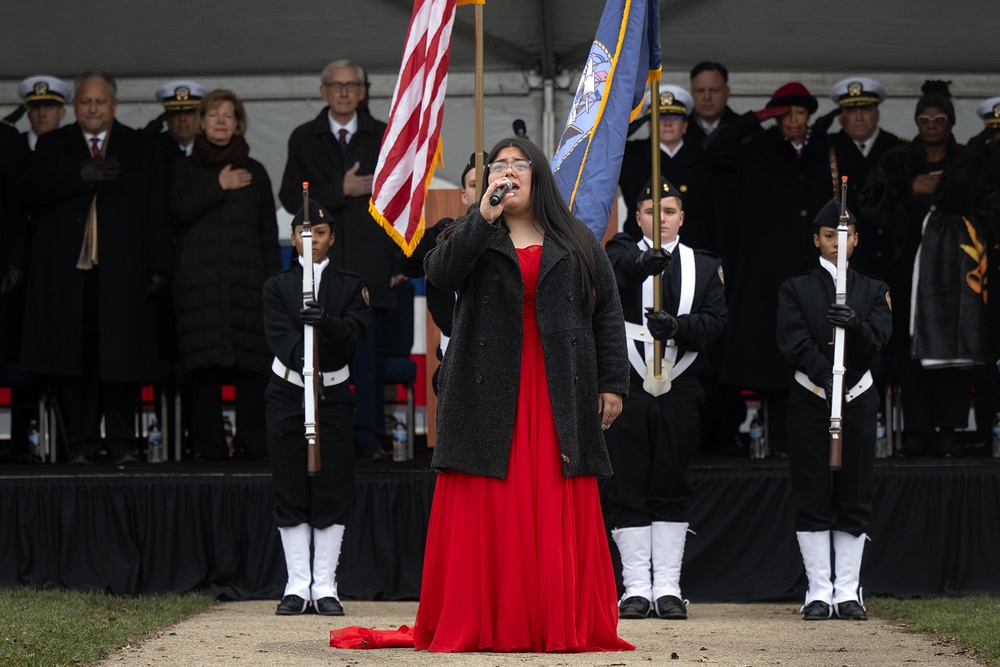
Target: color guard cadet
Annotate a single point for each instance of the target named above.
(311, 511)
(832, 508)
(858, 147)
(180, 100)
(652, 441)
(44, 98)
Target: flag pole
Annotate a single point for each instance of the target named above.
(655, 190)
(480, 184)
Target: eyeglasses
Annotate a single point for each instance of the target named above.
(936, 121)
(338, 87)
(500, 167)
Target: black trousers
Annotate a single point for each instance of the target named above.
(85, 398)
(651, 444)
(933, 398)
(208, 437)
(321, 500)
(826, 500)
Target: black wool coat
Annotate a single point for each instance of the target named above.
(584, 354)
(780, 194)
(133, 240)
(887, 201)
(871, 252)
(227, 246)
(362, 245)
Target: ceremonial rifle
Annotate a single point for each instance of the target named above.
(837, 400)
(311, 377)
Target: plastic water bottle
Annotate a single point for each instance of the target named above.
(758, 448)
(35, 442)
(399, 442)
(154, 443)
(881, 441)
(996, 436)
(227, 427)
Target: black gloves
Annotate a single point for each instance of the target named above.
(652, 261)
(314, 315)
(100, 170)
(156, 284)
(843, 316)
(662, 325)
(11, 280)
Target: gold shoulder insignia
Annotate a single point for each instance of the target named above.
(722, 278)
(368, 301)
(888, 301)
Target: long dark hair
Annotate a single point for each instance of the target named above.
(550, 210)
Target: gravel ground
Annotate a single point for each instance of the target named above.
(738, 635)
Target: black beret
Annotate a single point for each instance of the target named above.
(829, 215)
(317, 215)
(667, 189)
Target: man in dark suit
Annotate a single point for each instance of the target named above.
(337, 153)
(710, 94)
(858, 147)
(101, 253)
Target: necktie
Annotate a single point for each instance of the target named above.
(95, 146)
(861, 147)
(343, 140)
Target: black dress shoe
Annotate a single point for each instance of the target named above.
(291, 605)
(81, 459)
(671, 607)
(329, 607)
(851, 611)
(633, 607)
(817, 610)
(123, 458)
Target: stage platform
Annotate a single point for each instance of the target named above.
(174, 527)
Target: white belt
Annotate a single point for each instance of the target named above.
(852, 393)
(329, 379)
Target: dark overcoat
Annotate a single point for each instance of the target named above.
(870, 254)
(133, 240)
(584, 354)
(781, 192)
(362, 245)
(13, 236)
(227, 246)
(887, 201)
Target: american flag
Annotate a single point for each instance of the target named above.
(411, 148)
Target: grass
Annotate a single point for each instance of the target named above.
(971, 621)
(55, 628)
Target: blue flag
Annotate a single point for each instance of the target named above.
(624, 57)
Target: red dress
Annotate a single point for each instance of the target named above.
(521, 563)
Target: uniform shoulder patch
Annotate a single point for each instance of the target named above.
(368, 301)
(888, 301)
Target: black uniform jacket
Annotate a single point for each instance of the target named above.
(690, 171)
(134, 239)
(869, 255)
(781, 192)
(314, 155)
(805, 336)
(584, 354)
(227, 246)
(695, 330)
(341, 294)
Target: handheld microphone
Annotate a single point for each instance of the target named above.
(500, 193)
(520, 130)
